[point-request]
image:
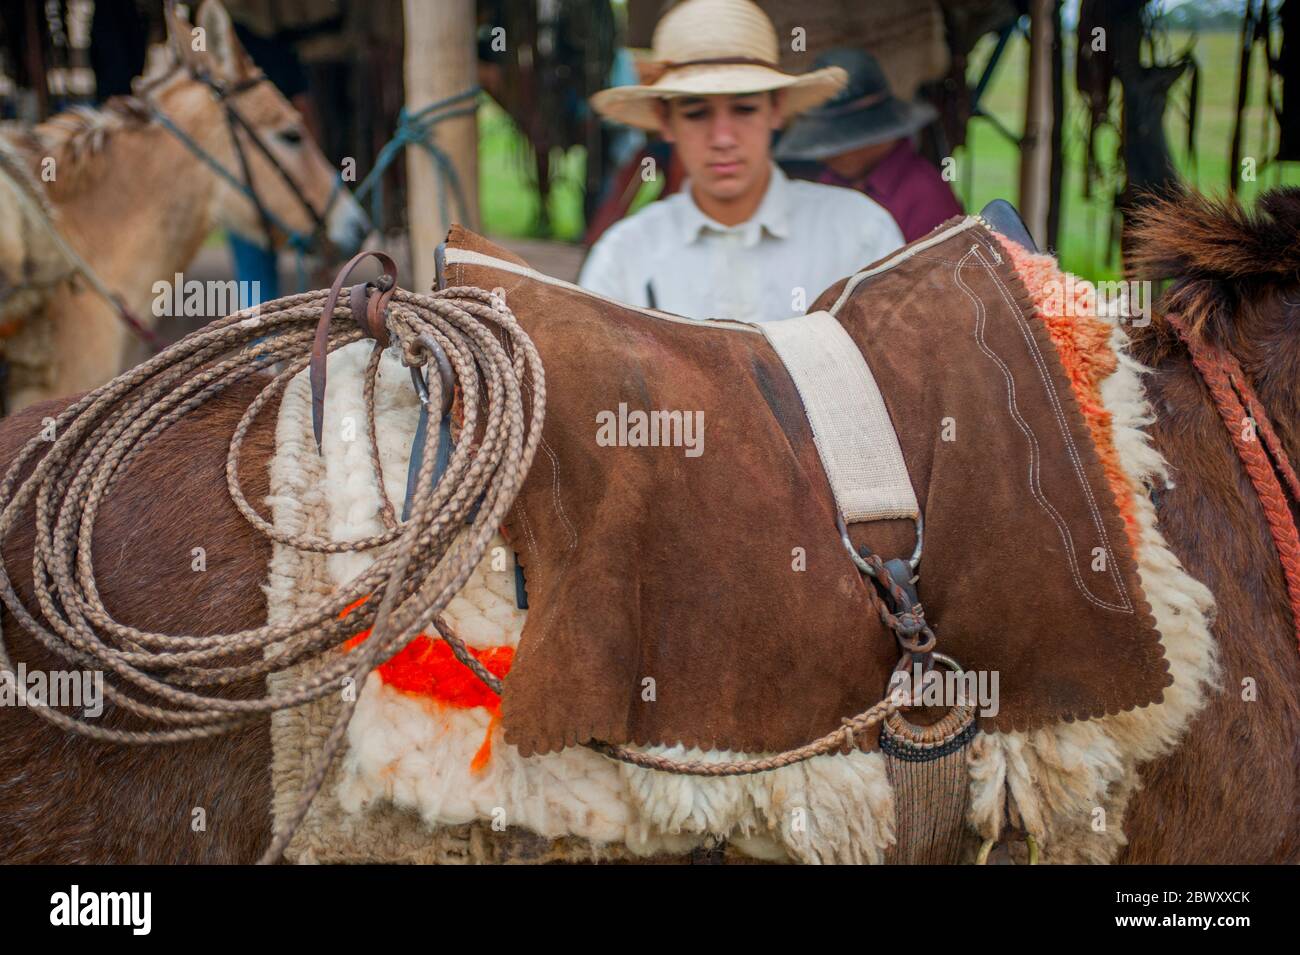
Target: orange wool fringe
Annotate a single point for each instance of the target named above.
(427, 668)
(1083, 342)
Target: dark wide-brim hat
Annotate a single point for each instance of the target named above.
(864, 113)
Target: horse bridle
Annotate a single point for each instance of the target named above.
(243, 183)
(1244, 416)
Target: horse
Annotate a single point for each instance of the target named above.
(1234, 283)
(136, 804)
(138, 185)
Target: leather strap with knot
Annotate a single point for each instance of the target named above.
(368, 311)
(914, 634)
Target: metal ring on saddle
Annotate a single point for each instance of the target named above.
(913, 562)
(943, 658)
(910, 643)
(911, 742)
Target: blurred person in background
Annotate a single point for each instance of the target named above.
(740, 240)
(862, 140)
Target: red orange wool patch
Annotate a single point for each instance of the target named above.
(427, 668)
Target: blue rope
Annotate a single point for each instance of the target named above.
(417, 129)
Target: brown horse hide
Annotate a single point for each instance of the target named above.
(701, 595)
(1233, 786)
(66, 798)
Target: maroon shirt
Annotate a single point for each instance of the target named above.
(908, 186)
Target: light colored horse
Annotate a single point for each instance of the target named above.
(136, 202)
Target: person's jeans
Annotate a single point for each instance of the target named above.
(253, 263)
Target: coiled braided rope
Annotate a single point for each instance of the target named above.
(162, 675)
(160, 678)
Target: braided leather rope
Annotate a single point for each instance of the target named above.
(1236, 401)
(173, 683)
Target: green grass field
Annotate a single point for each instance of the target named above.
(987, 168)
(1084, 246)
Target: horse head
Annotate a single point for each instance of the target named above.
(274, 181)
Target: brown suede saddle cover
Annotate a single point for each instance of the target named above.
(708, 600)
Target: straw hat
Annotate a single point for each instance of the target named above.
(713, 47)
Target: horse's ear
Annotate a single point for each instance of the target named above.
(226, 55)
(159, 60)
(179, 32)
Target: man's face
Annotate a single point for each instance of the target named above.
(724, 141)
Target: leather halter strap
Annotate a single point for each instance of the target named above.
(224, 93)
(236, 120)
(368, 312)
(1236, 401)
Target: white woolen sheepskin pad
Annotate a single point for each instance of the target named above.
(1067, 785)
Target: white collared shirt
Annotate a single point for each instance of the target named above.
(803, 238)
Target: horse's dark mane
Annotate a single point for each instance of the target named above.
(1220, 256)
(1190, 236)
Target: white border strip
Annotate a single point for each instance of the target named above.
(458, 256)
(455, 256)
(906, 253)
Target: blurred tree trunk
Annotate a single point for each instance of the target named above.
(441, 61)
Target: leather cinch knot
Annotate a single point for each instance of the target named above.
(369, 311)
(911, 644)
(909, 624)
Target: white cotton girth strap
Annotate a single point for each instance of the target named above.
(850, 424)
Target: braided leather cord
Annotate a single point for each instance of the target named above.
(1236, 401)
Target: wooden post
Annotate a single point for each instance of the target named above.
(441, 61)
(1036, 146)
(1055, 199)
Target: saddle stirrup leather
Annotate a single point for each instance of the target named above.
(860, 453)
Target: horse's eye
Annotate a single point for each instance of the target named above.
(290, 136)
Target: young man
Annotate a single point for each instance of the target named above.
(740, 241)
(863, 139)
